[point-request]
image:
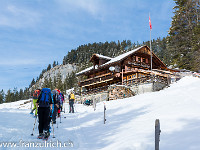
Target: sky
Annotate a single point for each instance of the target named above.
(34, 33)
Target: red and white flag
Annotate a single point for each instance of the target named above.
(150, 23)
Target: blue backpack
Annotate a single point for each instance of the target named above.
(45, 97)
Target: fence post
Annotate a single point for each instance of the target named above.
(104, 114)
(94, 103)
(157, 134)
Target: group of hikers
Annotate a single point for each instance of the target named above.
(48, 105)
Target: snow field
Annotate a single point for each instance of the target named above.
(130, 122)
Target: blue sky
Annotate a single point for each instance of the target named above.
(34, 33)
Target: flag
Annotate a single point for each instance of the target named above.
(150, 23)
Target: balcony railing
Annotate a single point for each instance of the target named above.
(96, 80)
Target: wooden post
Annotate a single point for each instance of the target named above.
(94, 103)
(122, 76)
(104, 120)
(81, 96)
(157, 134)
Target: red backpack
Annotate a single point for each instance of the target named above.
(36, 94)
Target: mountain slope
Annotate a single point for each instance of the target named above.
(59, 71)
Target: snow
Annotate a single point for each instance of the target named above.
(112, 60)
(130, 122)
(120, 57)
(85, 70)
(104, 57)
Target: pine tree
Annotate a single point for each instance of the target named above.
(59, 82)
(32, 83)
(49, 67)
(8, 97)
(196, 48)
(2, 96)
(26, 93)
(182, 33)
(21, 94)
(54, 63)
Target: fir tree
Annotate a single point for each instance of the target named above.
(32, 83)
(49, 67)
(182, 33)
(21, 94)
(59, 84)
(2, 96)
(8, 97)
(54, 63)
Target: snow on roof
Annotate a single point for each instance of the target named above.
(112, 60)
(104, 57)
(120, 57)
(85, 70)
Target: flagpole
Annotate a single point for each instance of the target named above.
(150, 40)
(151, 50)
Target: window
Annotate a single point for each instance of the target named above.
(139, 59)
(143, 60)
(134, 58)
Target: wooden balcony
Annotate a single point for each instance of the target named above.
(97, 80)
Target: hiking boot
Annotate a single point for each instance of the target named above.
(46, 135)
(40, 136)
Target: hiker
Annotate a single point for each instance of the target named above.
(55, 105)
(35, 98)
(71, 102)
(62, 100)
(45, 104)
(59, 102)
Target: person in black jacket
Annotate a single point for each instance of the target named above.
(55, 105)
(45, 104)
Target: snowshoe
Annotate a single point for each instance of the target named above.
(40, 136)
(31, 113)
(46, 135)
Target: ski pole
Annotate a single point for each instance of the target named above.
(75, 108)
(57, 122)
(34, 126)
(53, 129)
(60, 117)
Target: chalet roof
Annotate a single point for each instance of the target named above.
(121, 57)
(113, 60)
(85, 70)
(101, 56)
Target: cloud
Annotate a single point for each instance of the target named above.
(92, 7)
(18, 62)
(18, 16)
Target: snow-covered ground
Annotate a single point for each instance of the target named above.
(130, 122)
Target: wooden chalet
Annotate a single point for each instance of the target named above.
(127, 69)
